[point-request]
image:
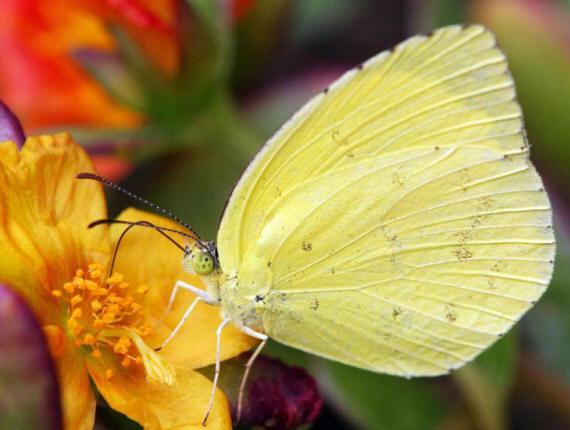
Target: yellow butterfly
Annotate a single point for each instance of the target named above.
(395, 223)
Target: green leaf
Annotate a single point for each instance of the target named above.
(486, 382)
(375, 401)
(447, 12)
(195, 181)
(548, 324)
(257, 37)
(539, 62)
(209, 44)
(291, 356)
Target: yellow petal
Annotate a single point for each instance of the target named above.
(44, 213)
(147, 258)
(156, 406)
(78, 402)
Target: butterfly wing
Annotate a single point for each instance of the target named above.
(395, 223)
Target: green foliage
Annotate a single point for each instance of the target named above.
(380, 401)
(447, 12)
(549, 328)
(541, 68)
(485, 384)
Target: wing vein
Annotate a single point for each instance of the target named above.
(425, 315)
(382, 224)
(445, 155)
(463, 287)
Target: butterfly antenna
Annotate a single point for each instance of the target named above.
(116, 187)
(148, 224)
(126, 230)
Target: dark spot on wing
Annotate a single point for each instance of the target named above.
(462, 253)
(450, 314)
(307, 246)
(315, 304)
(396, 312)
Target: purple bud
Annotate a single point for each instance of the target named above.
(29, 394)
(278, 396)
(10, 127)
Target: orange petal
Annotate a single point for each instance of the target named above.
(41, 63)
(147, 258)
(156, 406)
(44, 213)
(152, 23)
(112, 167)
(78, 402)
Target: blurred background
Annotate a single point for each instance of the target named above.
(172, 98)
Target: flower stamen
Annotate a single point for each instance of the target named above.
(106, 316)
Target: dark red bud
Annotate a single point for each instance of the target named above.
(278, 396)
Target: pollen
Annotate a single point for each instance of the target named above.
(90, 285)
(123, 345)
(89, 339)
(106, 318)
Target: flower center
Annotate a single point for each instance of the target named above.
(106, 316)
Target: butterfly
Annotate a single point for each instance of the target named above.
(395, 223)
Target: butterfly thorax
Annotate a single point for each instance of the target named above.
(243, 301)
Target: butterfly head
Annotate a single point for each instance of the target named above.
(201, 258)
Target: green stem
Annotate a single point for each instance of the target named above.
(484, 401)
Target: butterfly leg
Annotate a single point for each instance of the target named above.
(224, 323)
(177, 286)
(263, 338)
(202, 296)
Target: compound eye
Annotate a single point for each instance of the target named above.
(202, 262)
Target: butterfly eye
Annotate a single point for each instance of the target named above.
(202, 262)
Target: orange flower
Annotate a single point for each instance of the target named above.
(39, 38)
(98, 326)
